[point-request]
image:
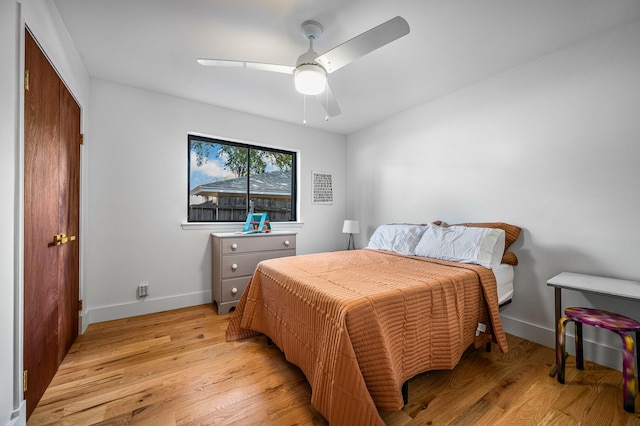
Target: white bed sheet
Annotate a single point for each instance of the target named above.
(504, 280)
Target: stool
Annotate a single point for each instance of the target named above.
(610, 321)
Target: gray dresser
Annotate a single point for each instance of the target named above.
(235, 257)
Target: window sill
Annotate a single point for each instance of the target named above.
(237, 226)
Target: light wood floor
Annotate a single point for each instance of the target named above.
(176, 368)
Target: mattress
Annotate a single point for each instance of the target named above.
(504, 281)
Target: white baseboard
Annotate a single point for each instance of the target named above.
(19, 416)
(143, 307)
(599, 353)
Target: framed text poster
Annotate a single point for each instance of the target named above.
(322, 188)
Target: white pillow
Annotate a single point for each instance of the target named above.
(482, 246)
(399, 238)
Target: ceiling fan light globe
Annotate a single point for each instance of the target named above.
(310, 79)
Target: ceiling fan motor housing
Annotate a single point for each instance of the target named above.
(310, 78)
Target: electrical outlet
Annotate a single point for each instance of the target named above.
(143, 289)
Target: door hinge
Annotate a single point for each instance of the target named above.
(24, 380)
(80, 305)
(26, 79)
(81, 139)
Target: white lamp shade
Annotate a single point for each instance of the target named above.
(310, 79)
(351, 227)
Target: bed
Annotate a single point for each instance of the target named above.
(360, 323)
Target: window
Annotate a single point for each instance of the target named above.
(227, 179)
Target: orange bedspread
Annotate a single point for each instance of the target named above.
(360, 323)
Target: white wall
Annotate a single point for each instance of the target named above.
(552, 146)
(8, 223)
(137, 193)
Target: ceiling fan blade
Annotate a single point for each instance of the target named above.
(365, 43)
(329, 102)
(285, 69)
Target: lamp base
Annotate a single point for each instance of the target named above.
(351, 245)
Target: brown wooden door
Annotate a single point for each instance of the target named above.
(51, 205)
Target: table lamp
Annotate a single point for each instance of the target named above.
(351, 227)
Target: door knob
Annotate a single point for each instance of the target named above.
(60, 239)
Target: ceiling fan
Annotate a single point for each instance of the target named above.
(311, 69)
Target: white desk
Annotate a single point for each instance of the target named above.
(629, 290)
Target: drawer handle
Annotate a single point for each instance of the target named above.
(234, 291)
(234, 246)
(286, 243)
(234, 267)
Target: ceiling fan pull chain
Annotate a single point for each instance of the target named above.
(326, 117)
(304, 109)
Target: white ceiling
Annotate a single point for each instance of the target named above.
(153, 44)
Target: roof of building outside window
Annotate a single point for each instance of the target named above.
(270, 183)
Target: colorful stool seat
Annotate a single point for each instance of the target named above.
(619, 324)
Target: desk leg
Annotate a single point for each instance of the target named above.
(558, 312)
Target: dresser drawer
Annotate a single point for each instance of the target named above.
(229, 285)
(258, 243)
(245, 264)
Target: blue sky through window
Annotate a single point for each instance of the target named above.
(210, 171)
